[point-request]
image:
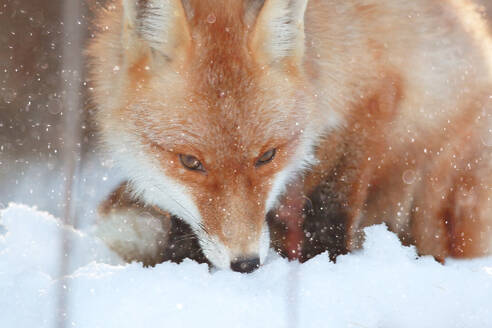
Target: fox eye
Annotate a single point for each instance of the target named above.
(191, 162)
(267, 157)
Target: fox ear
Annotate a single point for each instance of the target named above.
(278, 32)
(162, 24)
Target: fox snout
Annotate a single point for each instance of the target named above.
(243, 252)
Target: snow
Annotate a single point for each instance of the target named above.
(41, 183)
(382, 285)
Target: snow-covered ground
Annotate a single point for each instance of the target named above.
(383, 285)
(41, 183)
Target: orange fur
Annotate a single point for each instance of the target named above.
(381, 91)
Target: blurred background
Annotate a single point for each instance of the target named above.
(42, 98)
(45, 115)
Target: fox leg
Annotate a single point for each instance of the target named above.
(453, 217)
(470, 225)
(290, 213)
(133, 230)
(348, 162)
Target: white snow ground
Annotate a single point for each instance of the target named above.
(384, 285)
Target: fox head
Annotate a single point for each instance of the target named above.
(206, 107)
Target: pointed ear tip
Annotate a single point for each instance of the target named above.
(159, 25)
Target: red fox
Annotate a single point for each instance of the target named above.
(221, 111)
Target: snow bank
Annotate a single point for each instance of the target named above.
(383, 285)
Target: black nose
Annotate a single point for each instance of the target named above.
(245, 265)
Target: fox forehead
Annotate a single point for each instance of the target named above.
(222, 102)
(242, 115)
(204, 124)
